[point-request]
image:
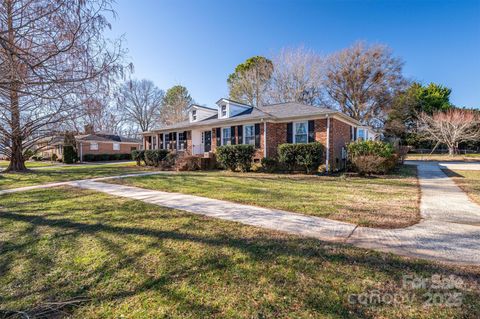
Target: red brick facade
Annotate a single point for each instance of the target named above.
(340, 136)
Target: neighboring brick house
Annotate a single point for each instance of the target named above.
(266, 127)
(89, 144)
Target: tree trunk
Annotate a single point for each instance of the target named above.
(17, 161)
(451, 150)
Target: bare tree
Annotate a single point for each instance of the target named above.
(362, 80)
(297, 77)
(250, 80)
(450, 128)
(49, 50)
(140, 101)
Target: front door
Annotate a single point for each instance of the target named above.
(208, 141)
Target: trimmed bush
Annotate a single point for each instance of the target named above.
(305, 156)
(235, 157)
(154, 157)
(88, 157)
(371, 157)
(54, 157)
(189, 163)
(69, 154)
(138, 156)
(269, 164)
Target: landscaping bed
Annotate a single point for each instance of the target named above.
(387, 201)
(73, 253)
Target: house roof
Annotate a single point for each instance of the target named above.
(273, 112)
(58, 139)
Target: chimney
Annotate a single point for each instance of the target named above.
(89, 129)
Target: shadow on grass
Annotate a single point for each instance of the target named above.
(293, 266)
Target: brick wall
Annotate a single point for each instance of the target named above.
(339, 138)
(107, 148)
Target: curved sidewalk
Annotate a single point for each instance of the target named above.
(448, 232)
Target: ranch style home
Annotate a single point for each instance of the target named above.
(265, 127)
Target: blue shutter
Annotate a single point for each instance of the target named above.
(311, 131)
(232, 135)
(257, 135)
(290, 132)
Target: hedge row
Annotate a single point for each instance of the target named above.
(105, 157)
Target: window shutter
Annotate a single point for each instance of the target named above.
(161, 141)
(257, 135)
(240, 134)
(174, 134)
(290, 132)
(355, 134)
(218, 137)
(185, 140)
(170, 140)
(311, 131)
(232, 135)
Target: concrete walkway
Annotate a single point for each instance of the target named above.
(448, 232)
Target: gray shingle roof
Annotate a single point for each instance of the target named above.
(272, 112)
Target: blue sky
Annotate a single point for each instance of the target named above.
(198, 43)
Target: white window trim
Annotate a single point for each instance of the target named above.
(93, 148)
(221, 134)
(226, 111)
(295, 131)
(116, 146)
(244, 136)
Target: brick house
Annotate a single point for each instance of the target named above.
(266, 127)
(89, 144)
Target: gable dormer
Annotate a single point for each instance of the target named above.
(197, 113)
(228, 108)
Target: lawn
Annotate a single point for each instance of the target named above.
(75, 253)
(65, 173)
(386, 201)
(444, 157)
(468, 181)
(4, 164)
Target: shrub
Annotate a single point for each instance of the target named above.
(29, 154)
(244, 156)
(138, 156)
(54, 157)
(371, 157)
(154, 157)
(88, 157)
(189, 163)
(69, 154)
(307, 156)
(269, 164)
(236, 157)
(226, 156)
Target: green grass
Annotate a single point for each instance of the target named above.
(386, 201)
(65, 173)
(29, 164)
(467, 180)
(127, 259)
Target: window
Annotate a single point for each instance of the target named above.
(361, 134)
(300, 132)
(94, 146)
(167, 141)
(224, 110)
(249, 134)
(226, 136)
(181, 141)
(194, 115)
(116, 146)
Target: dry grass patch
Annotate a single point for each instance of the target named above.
(444, 157)
(468, 181)
(388, 201)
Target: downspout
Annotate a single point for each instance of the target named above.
(264, 138)
(81, 152)
(327, 164)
